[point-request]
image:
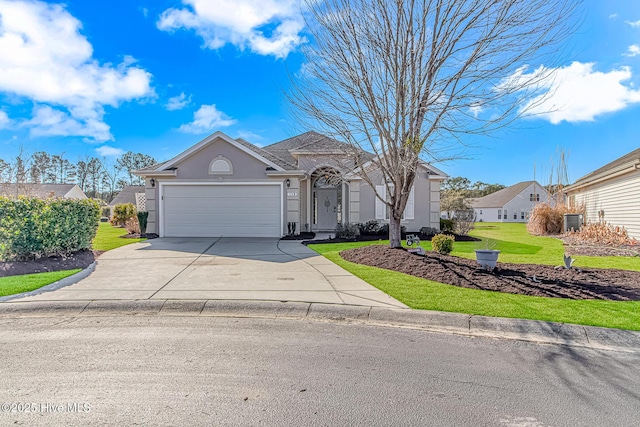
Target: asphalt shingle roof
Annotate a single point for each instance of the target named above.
(127, 195)
(308, 141)
(41, 191)
(501, 197)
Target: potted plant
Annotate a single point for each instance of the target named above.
(487, 257)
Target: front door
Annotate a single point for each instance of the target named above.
(327, 208)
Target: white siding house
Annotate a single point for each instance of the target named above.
(511, 204)
(611, 193)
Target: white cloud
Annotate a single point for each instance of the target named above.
(613, 15)
(633, 50)
(44, 58)
(476, 108)
(178, 102)
(47, 121)
(207, 119)
(249, 136)
(578, 93)
(634, 24)
(108, 151)
(4, 120)
(240, 23)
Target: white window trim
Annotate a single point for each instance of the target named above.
(381, 212)
(221, 159)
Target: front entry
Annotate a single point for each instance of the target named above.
(327, 208)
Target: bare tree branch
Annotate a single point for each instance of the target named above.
(409, 79)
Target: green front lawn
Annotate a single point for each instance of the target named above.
(28, 282)
(108, 237)
(517, 247)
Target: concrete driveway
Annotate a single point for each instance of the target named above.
(219, 268)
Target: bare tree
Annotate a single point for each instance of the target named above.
(409, 79)
(130, 161)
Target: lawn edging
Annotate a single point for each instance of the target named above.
(422, 294)
(69, 280)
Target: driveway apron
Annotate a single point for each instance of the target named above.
(219, 269)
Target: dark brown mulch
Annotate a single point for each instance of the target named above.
(523, 279)
(80, 259)
(374, 237)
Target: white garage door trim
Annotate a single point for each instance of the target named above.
(161, 216)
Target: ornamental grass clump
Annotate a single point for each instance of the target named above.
(442, 244)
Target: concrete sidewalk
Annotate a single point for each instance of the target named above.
(216, 268)
(463, 324)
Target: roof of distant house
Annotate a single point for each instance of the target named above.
(501, 197)
(41, 191)
(127, 195)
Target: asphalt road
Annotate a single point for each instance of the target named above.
(225, 371)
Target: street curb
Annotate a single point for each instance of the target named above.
(432, 321)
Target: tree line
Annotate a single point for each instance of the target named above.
(455, 193)
(99, 178)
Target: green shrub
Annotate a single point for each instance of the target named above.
(31, 228)
(142, 221)
(123, 213)
(442, 243)
(106, 211)
(428, 231)
(446, 225)
(347, 231)
(370, 228)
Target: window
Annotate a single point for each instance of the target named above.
(499, 213)
(515, 215)
(382, 209)
(480, 211)
(220, 166)
(522, 214)
(505, 214)
(534, 197)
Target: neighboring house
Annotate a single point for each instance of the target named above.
(229, 187)
(42, 191)
(511, 204)
(611, 193)
(134, 194)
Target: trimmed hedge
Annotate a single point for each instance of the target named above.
(32, 228)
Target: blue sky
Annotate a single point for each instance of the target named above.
(88, 78)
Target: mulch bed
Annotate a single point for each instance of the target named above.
(80, 259)
(523, 279)
(374, 237)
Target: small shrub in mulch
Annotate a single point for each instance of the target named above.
(373, 237)
(523, 279)
(302, 236)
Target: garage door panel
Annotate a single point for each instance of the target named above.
(222, 210)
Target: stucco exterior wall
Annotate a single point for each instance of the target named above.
(618, 197)
(426, 202)
(521, 202)
(244, 168)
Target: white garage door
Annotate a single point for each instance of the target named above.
(222, 210)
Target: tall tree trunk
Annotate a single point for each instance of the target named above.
(395, 232)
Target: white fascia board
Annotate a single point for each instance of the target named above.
(294, 173)
(210, 139)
